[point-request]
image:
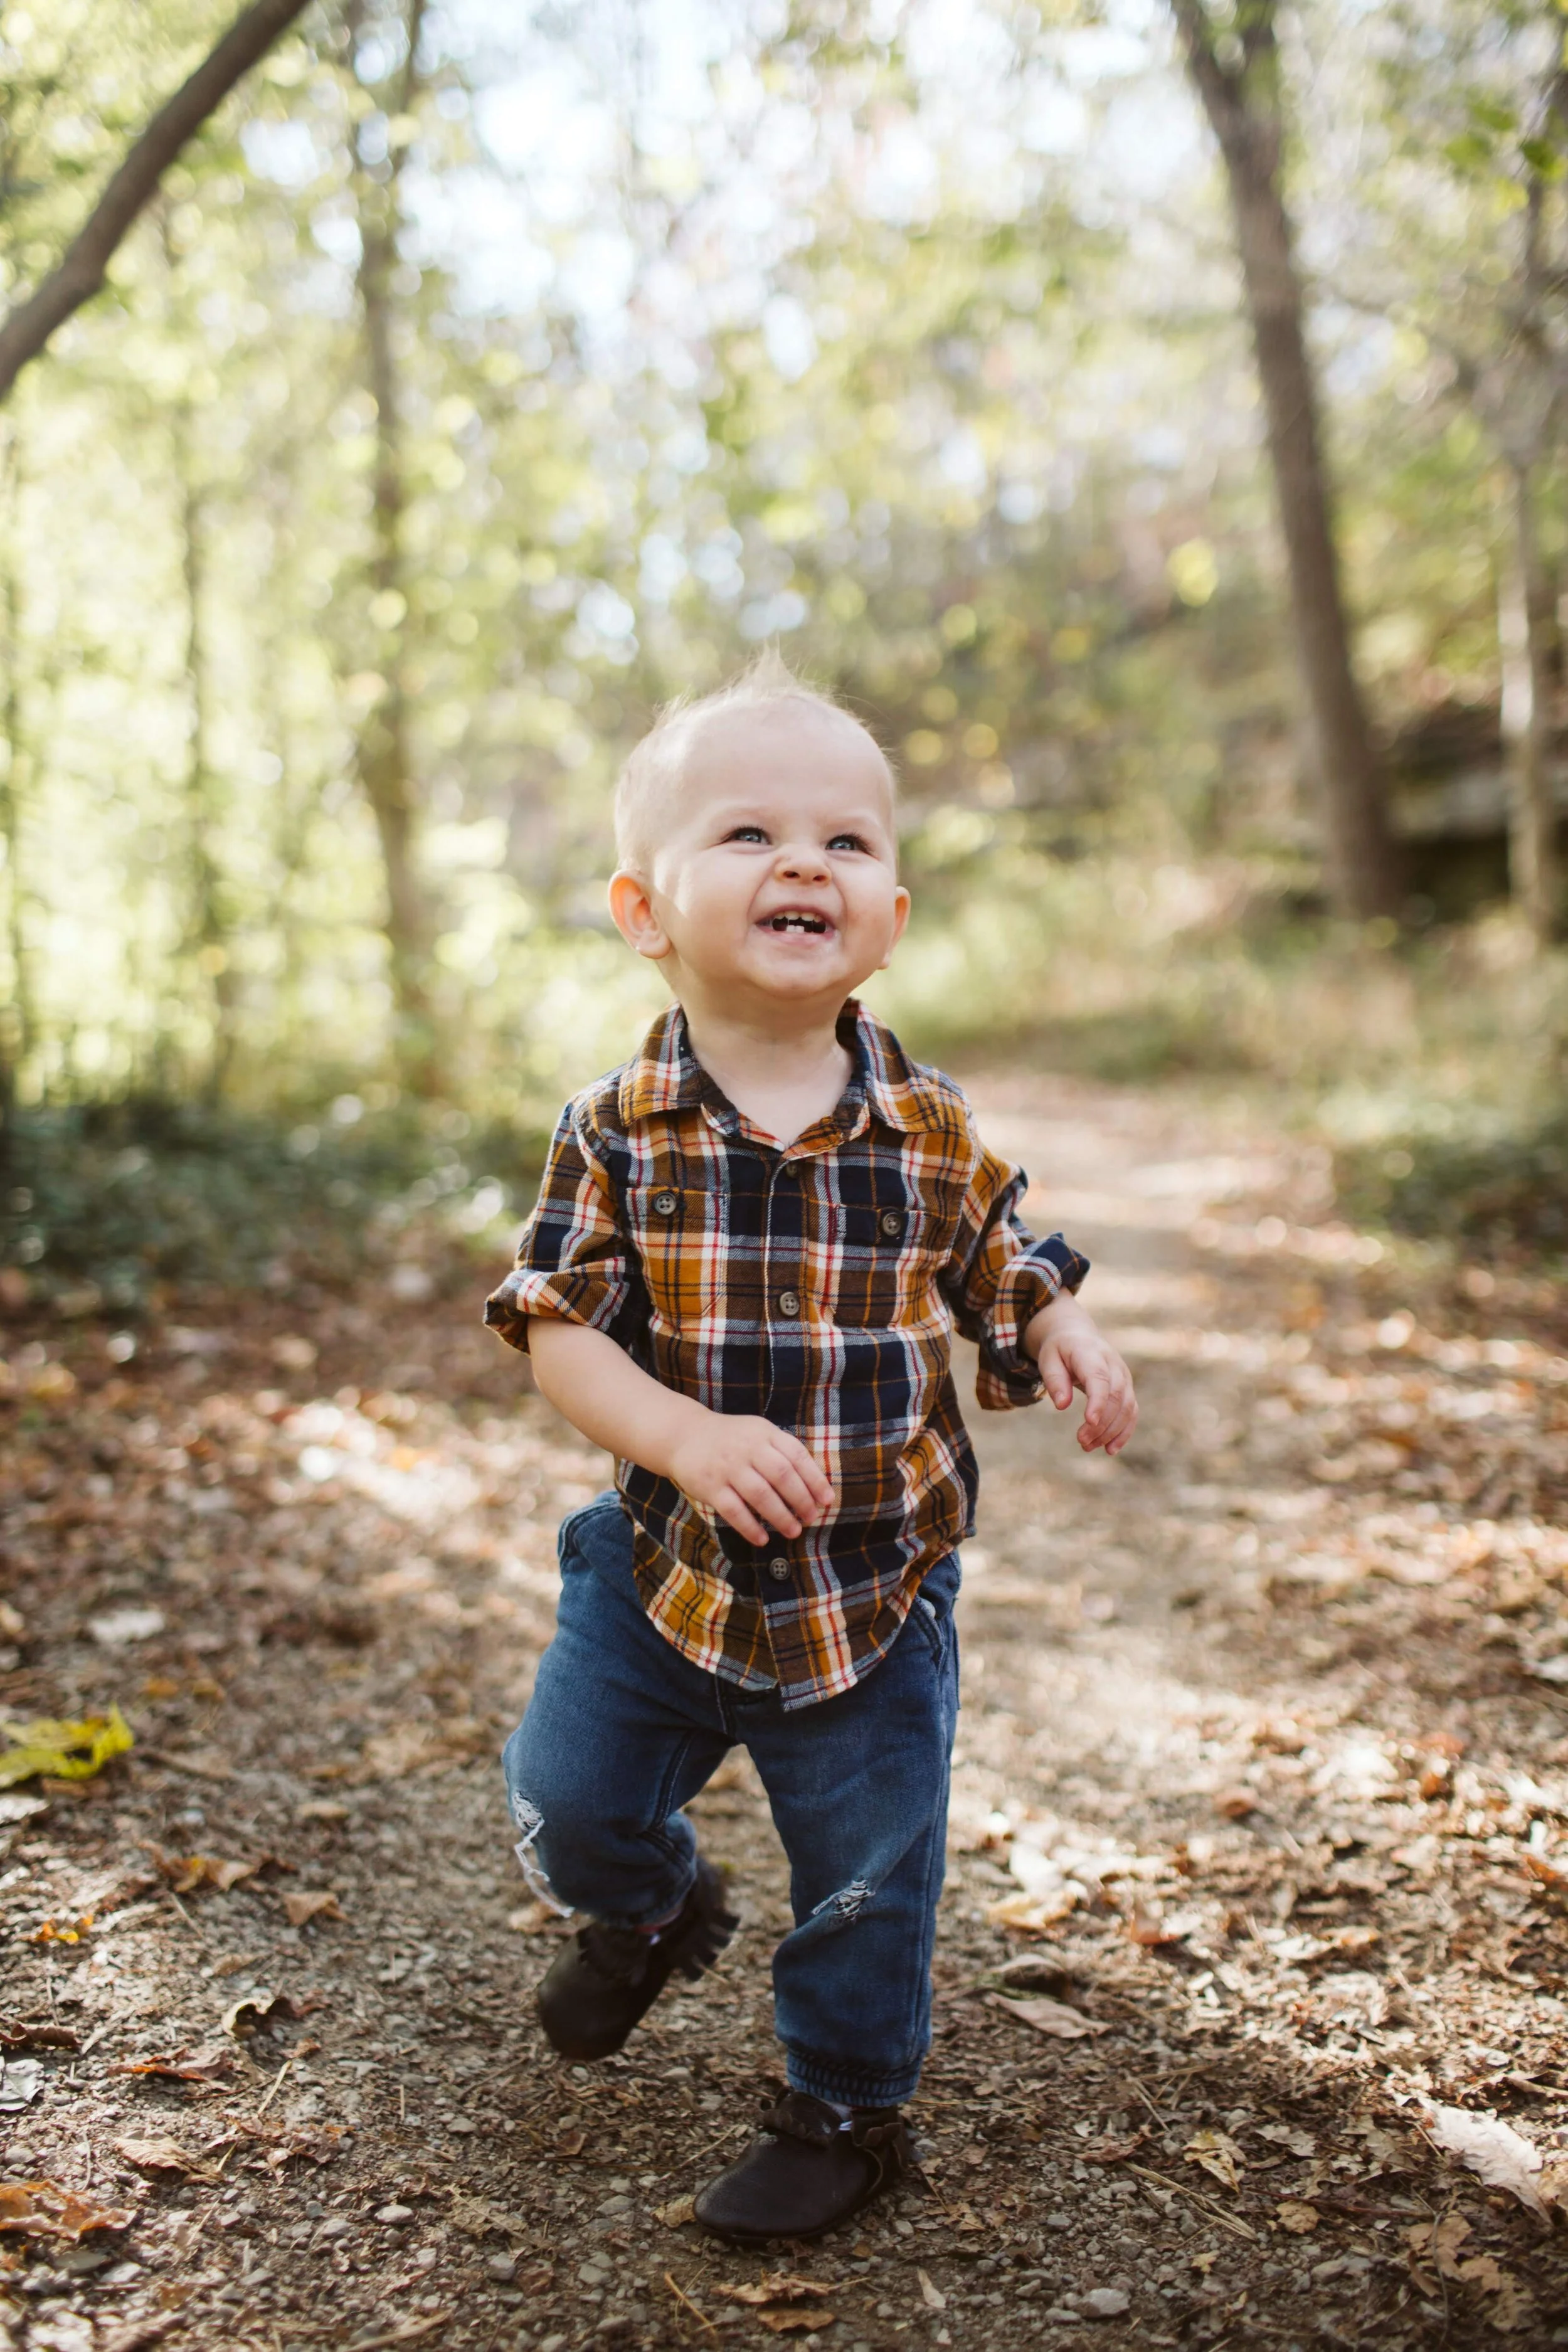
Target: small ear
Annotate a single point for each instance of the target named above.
(632, 912)
(900, 917)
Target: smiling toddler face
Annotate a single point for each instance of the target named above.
(763, 839)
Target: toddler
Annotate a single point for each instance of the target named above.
(752, 1247)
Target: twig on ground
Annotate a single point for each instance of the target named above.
(277, 2087)
(409, 2333)
(681, 2296)
(1226, 2221)
(702, 2152)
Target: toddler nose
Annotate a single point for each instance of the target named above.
(800, 864)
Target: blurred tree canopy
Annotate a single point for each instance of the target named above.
(480, 377)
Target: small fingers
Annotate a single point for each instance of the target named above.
(1115, 1444)
(757, 1489)
(1096, 1397)
(734, 1512)
(809, 1470)
(1058, 1378)
(1111, 1408)
(791, 1490)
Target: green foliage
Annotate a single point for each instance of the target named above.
(1505, 1192)
(118, 1204)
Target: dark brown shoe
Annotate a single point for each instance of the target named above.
(808, 2171)
(608, 1978)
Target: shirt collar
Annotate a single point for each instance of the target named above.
(665, 1076)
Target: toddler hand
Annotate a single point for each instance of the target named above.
(1074, 1353)
(749, 1471)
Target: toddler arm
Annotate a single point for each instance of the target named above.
(738, 1464)
(1073, 1352)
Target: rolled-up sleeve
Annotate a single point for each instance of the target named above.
(573, 1261)
(997, 1278)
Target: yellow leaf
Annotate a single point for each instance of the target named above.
(66, 1751)
(1218, 2154)
(779, 2286)
(310, 1904)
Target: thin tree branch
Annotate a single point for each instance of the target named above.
(80, 271)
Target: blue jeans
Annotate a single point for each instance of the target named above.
(621, 1731)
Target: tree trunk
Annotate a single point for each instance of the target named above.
(1526, 628)
(383, 752)
(1241, 101)
(16, 1019)
(207, 928)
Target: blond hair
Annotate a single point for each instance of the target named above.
(655, 763)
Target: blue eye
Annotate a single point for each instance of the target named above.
(746, 832)
(846, 841)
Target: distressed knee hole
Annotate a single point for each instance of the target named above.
(848, 1903)
(529, 1822)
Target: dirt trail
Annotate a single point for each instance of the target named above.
(1263, 1778)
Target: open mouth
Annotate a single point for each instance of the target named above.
(815, 923)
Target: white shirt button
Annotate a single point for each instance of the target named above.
(789, 1304)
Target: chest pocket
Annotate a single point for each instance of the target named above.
(885, 1268)
(678, 1231)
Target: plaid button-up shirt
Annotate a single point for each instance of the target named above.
(818, 1285)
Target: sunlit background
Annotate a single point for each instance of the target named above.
(451, 407)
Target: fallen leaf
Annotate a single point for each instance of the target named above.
(1291, 2135)
(42, 2208)
(785, 2322)
(311, 1903)
(139, 2335)
(186, 1873)
(782, 2287)
(1514, 2305)
(1113, 2151)
(1031, 1914)
(676, 2214)
(1300, 2220)
(571, 2143)
(180, 2065)
(931, 2297)
(21, 2080)
(1441, 2242)
(265, 2008)
(1204, 2262)
(478, 2217)
(160, 2153)
(422, 1748)
(1218, 2155)
(65, 1750)
(39, 2036)
(118, 1627)
(1052, 2017)
(532, 1920)
(1149, 1930)
(62, 1931)
(1491, 2150)
(198, 1763)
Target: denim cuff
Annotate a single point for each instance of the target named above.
(849, 2086)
